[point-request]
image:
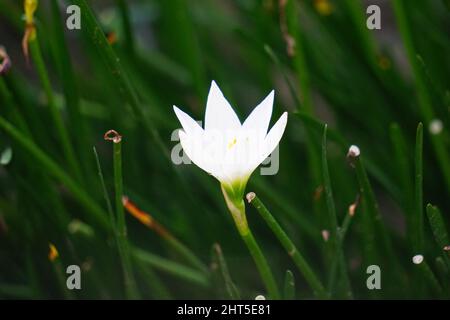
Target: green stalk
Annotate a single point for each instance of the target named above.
(105, 192)
(289, 246)
(237, 209)
(261, 264)
(419, 219)
(63, 135)
(425, 101)
(121, 229)
(334, 232)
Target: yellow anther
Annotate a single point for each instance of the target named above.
(231, 143)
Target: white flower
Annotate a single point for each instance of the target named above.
(225, 148)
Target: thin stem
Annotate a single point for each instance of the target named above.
(289, 246)
(105, 192)
(419, 219)
(56, 116)
(121, 229)
(237, 210)
(262, 265)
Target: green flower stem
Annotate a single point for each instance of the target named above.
(69, 153)
(262, 265)
(419, 217)
(237, 210)
(121, 230)
(289, 246)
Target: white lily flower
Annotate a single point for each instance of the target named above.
(225, 148)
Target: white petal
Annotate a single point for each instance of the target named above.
(273, 137)
(190, 126)
(219, 114)
(259, 119)
(194, 150)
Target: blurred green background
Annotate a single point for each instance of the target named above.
(126, 67)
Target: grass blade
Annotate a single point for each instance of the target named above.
(419, 222)
(170, 267)
(56, 116)
(121, 229)
(439, 231)
(288, 245)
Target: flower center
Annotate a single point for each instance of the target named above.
(231, 143)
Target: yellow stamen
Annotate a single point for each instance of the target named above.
(53, 252)
(231, 143)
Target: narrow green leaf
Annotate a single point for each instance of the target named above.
(419, 223)
(170, 267)
(439, 231)
(289, 246)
